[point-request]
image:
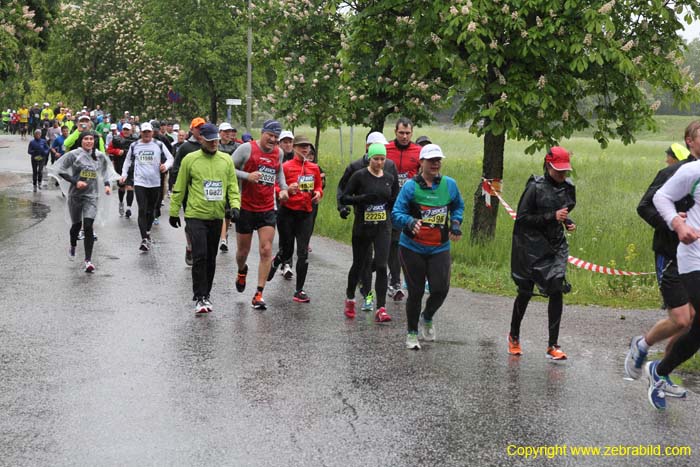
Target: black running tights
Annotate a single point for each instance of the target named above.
(688, 344)
(89, 239)
(554, 310)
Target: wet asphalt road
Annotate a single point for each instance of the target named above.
(114, 368)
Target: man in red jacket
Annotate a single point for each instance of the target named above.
(405, 155)
(295, 217)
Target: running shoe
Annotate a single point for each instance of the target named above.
(634, 359)
(671, 389)
(200, 308)
(121, 209)
(39, 186)
(240, 279)
(273, 268)
(427, 330)
(301, 297)
(127, 213)
(655, 392)
(89, 267)
(349, 308)
(207, 303)
(144, 245)
(223, 245)
(94, 236)
(188, 257)
(555, 353)
(381, 316)
(394, 292)
(514, 346)
(156, 221)
(287, 272)
(34, 188)
(412, 341)
(258, 302)
(368, 302)
(81, 235)
(71, 253)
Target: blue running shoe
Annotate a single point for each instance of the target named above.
(634, 360)
(655, 393)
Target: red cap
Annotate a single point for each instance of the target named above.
(558, 158)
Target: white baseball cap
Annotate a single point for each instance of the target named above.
(113, 126)
(225, 126)
(176, 126)
(376, 137)
(431, 151)
(286, 134)
(126, 126)
(145, 126)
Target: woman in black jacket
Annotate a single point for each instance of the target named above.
(540, 251)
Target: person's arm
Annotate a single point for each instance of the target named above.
(318, 186)
(527, 209)
(401, 217)
(677, 187)
(646, 208)
(63, 165)
(456, 203)
(168, 159)
(353, 193)
(342, 185)
(234, 194)
(70, 140)
(240, 157)
(281, 179)
(179, 189)
(127, 163)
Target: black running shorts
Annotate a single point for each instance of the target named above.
(672, 288)
(250, 221)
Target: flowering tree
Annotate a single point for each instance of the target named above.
(389, 65)
(303, 50)
(23, 27)
(102, 58)
(523, 67)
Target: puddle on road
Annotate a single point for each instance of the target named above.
(17, 214)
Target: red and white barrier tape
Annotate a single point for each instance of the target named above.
(579, 263)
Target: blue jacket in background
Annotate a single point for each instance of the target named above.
(38, 147)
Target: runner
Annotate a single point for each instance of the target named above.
(117, 150)
(405, 155)
(38, 151)
(149, 159)
(23, 113)
(81, 169)
(295, 216)
(258, 165)
(372, 191)
(344, 211)
(190, 145)
(687, 227)
(540, 251)
(675, 297)
(429, 212)
(206, 180)
(286, 142)
(57, 149)
(227, 145)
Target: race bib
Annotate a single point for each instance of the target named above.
(146, 157)
(213, 190)
(403, 178)
(268, 175)
(434, 216)
(375, 213)
(88, 174)
(306, 182)
(38, 158)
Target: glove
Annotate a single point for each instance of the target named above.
(408, 230)
(175, 221)
(455, 229)
(234, 214)
(344, 212)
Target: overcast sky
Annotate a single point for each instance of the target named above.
(691, 32)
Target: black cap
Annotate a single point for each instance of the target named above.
(423, 140)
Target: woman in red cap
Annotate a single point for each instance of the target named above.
(540, 251)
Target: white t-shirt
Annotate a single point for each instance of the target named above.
(146, 159)
(686, 181)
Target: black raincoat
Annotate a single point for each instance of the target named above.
(540, 251)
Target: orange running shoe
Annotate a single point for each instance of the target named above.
(514, 346)
(240, 279)
(258, 302)
(554, 352)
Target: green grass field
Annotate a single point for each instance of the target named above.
(609, 182)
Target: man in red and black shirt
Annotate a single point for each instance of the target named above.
(258, 167)
(405, 155)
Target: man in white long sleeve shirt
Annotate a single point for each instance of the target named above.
(149, 159)
(686, 181)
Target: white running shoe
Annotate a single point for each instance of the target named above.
(412, 341)
(287, 272)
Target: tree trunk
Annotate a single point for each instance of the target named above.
(213, 98)
(484, 218)
(317, 139)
